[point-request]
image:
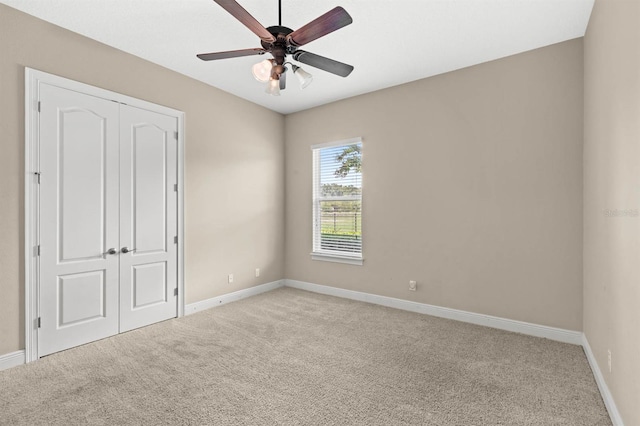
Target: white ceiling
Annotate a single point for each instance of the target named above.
(390, 41)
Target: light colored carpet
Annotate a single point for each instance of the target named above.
(294, 357)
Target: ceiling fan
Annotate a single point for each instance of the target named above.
(281, 41)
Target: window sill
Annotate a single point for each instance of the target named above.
(350, 260)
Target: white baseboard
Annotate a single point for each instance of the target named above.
(192, 308)
(616, 419)
(12, 359)
(552, 333)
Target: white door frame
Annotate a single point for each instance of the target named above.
(33, 78)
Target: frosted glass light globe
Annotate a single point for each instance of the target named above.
(262, 70)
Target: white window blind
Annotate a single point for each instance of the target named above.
(337, 201)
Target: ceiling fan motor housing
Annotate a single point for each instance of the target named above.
(280, 47)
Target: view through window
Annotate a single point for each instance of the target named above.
(337, 199)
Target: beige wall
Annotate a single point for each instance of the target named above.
(472, 187)
(612, 182)
(234, 163)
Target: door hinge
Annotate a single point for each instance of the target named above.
(39, 105)
(39, 322)
(175, 291)
(175, 240)
(175, 134)
(175, 187)
(38, 250)
(37, 177)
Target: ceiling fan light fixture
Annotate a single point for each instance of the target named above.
(273, 88)
(262, 70)
(303, 77)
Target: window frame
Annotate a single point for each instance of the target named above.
(317, 253)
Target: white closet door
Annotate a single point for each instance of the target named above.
(148, 217)
(78, 219)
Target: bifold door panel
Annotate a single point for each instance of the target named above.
(107, 220)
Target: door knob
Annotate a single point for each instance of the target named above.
(110, 251)
(127, 250)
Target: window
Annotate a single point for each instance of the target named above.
(337, 201)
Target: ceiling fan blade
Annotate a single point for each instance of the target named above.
(326, 64)
(246, 19)
(283, 81)
(230, 54)
(329, 22)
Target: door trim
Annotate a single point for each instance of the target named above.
(33, 79)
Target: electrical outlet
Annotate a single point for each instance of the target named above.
(230, 278)
(257, 272)
(609, 359)
(413, 286)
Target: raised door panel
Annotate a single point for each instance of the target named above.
(149, 285)
(81, 184)
(86, 286)
(150, 180)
